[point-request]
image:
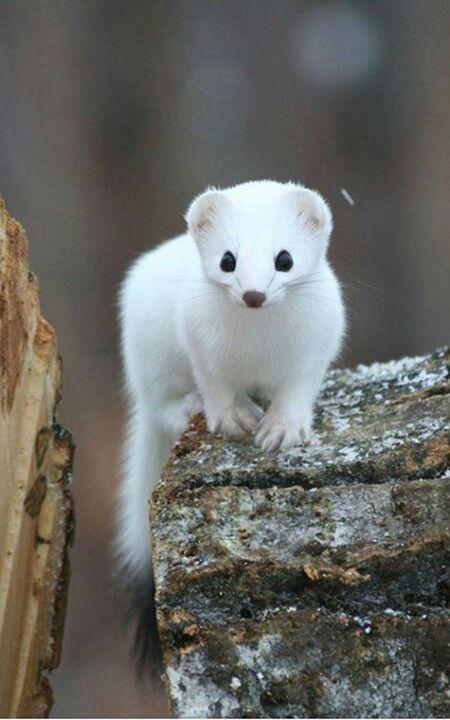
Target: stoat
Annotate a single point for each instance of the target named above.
(245, 300)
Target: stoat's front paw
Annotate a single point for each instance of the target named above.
(242, 417)
(279, 432)
(249, 413)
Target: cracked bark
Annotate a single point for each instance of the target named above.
(36, 514)
(314, 582)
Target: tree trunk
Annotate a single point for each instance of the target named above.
(36, 515)
(313, 582)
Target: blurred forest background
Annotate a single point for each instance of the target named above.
(113, 115)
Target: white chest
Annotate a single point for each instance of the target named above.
(248, 347)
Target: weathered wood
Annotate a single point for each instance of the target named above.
(314, 582)
(36, 515)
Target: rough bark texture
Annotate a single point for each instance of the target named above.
(314, 582)
(36, 518)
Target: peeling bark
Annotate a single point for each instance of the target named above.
(36, 512)
(314, 582)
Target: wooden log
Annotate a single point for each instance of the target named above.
(36, 513)
(313, 582)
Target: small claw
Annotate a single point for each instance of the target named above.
(231, 428)
(246, 419)
(276, 433)
(228, 424)
(235, 421)
(272, 444)
(268, 439)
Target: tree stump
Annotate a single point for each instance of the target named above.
(36, 515)
(313, 582)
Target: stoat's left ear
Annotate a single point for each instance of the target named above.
(202, 213)
(312, 210)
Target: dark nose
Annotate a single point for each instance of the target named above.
(252, 298)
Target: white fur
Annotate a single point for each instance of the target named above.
(189, 341)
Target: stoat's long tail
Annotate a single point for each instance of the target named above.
(146, 450)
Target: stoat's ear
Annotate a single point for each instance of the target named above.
(312, 210)
(202, 213)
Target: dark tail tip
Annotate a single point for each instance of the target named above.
(146, 649)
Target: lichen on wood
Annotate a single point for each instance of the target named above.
(36, 512)
(313, 582)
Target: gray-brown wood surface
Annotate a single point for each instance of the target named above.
(313, 582)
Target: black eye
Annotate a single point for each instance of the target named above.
(283, 261)
(228, 262)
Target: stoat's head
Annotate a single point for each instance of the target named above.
(260, 239)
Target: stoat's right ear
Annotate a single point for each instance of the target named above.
(202, 213)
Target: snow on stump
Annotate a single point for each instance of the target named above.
(313, 582)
